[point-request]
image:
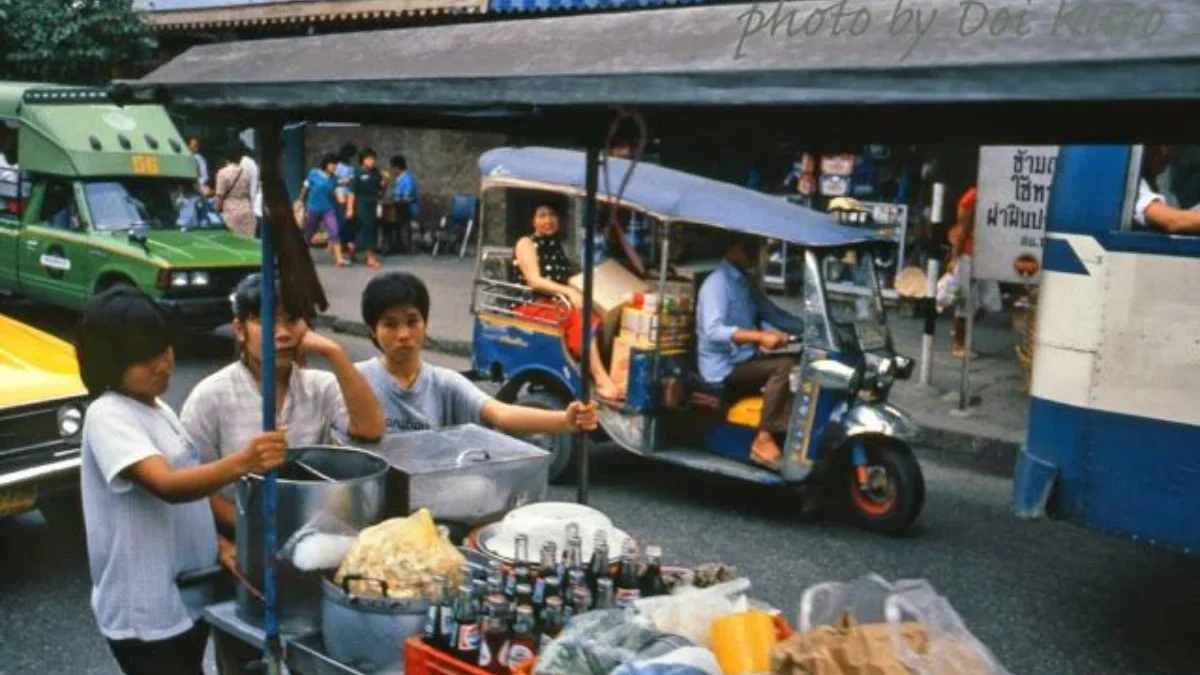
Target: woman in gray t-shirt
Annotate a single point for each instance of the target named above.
(144, 489)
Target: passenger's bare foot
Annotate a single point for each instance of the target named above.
(610, 391)
(765, 451)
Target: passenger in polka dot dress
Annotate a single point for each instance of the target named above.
(543, 266)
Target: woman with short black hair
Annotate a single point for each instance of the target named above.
(144, 488)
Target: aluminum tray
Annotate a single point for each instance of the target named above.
(466, 475)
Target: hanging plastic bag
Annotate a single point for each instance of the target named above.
(690, 612)
(321, 544)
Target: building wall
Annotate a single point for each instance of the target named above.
(443, 162)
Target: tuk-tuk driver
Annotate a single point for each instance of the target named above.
(1160, 209)
(732, 344)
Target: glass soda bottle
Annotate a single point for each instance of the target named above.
(493, 648)
(433, 619)
(605, 597)
(652, 583)
(553, 620)
(466, 620)
(628, 589)
(524, 645)
(520, 558)
(449, 629)
(546, 570)
(598, 567)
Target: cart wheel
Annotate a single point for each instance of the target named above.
(893, 493)
(559, 445)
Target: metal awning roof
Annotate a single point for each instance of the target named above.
(179, 15)
(686, 63)
(501, 6)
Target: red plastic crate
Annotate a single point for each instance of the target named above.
(421, 659)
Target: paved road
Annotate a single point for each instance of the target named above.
(1047, 598)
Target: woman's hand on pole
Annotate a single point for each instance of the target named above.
(265, 451)
(581, 416)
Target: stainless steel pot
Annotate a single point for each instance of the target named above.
(368, 633)
(356, 496)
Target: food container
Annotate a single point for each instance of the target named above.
(368, 633)
(354, 495)
(465, 476)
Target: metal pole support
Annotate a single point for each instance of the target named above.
(968, 281)
(929, 304)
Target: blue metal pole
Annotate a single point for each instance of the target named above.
(270, 497)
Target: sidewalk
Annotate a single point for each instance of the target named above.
(988, 438)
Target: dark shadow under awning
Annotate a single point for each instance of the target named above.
(706, 64)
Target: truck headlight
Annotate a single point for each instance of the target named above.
(70, 420)
(199, 278)
(179, 279)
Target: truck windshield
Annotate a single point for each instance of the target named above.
(157, 203)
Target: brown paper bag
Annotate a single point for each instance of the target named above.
(846, 649)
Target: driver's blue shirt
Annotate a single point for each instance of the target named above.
(728, 303)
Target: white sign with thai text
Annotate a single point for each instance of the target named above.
(1010, 214)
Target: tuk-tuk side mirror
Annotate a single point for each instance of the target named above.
(834, 375)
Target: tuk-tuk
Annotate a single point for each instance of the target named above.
(843, 434)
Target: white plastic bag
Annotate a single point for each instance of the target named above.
(690, 612)
(871, 599)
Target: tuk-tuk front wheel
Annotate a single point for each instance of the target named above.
(885, 490)
(558, 445)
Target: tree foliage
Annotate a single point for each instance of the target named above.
(72, 41)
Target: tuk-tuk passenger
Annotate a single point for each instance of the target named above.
(417, 395)
(542, 264)
(729, 314)
(144, 485)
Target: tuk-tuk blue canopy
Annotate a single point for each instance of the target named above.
(673, 196)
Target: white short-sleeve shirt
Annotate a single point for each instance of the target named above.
(224, 412)
(137, 543)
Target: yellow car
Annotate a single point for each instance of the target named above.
(42, 402)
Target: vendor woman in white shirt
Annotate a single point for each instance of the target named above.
(145, 489)
(224, 411)
(1156, 207)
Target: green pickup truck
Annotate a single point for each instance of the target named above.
(93, 195)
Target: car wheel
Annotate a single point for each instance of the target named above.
(560, 446)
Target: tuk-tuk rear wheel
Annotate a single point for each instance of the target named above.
(558, 445)
(894, 490)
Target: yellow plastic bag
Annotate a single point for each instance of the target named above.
(405, 554)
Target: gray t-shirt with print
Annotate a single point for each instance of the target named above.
(137, 543)
(438, 398)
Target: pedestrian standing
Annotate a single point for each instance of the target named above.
(319, 200)
(344, 172)
(144, 489)
(408, 209)
(201, 167)
(363, 205)
(250, 166)
(234, 194)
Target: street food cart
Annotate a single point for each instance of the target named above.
(703, 70)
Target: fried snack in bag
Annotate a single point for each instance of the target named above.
(403, 553)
